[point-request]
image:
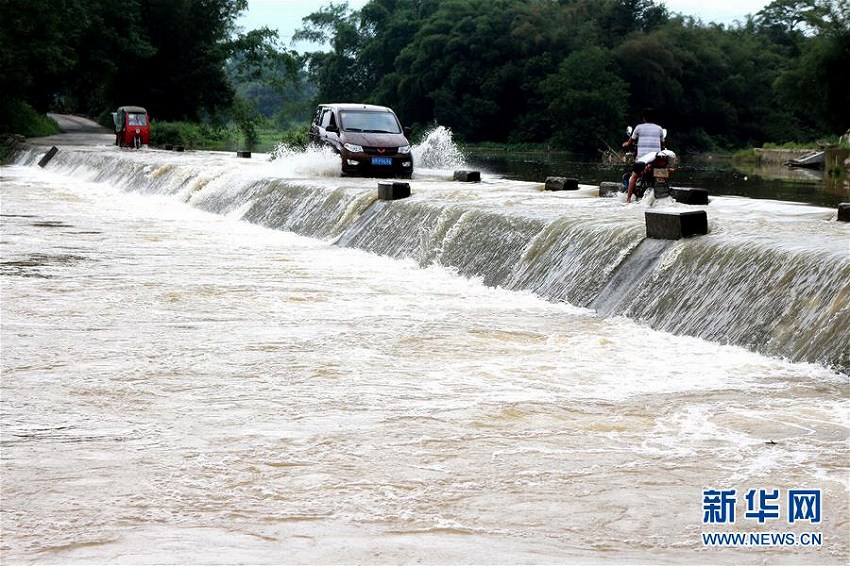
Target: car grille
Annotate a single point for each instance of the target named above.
(387, 151)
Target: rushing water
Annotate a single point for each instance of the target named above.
(187, 387)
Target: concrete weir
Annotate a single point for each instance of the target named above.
(689, 195)
(734, 285)
(561, 184)
(675, 225)
(393, 190)
(629, 275)
(610, 189)
(465, 176)
(48, 156)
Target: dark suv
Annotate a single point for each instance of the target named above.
(369, 139)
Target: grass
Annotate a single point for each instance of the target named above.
(829, 141)
(18, 117)
(223, 138)
(510, 147)
(745, 156)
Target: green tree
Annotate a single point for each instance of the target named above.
(185, 79)
(93, 55)
(814, 84)
(587, 100)
(111, 45)
(336, 73)
(464, 69)
(619, 18)
(37, 48)
(388, 26)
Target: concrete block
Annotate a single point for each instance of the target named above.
(393, 190)
(169, 146)
(178, 148)
(673, 225)
(609, 189)
(844, 212)
(690, 196)
(467, 176)
(561, 184)
(48, 156)
(245, 154)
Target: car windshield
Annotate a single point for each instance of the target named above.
(134, 119)
(373, 122)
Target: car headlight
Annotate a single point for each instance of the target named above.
(354, 148)
(404, 149)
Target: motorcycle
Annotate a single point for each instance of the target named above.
(656, 174)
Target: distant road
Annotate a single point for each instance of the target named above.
(77, 130)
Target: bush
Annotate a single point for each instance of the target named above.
(18, 117)
(745, 156)
(105, 119)
(296, 138)
(292, 141)
(190, 134)
(176, 133)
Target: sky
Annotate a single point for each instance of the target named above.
(285, 15)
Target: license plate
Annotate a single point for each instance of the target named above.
(661, 173)
(382, 161)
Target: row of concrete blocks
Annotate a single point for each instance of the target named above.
(395, 190)
(661, 225)
(170, 147)
(608, 189)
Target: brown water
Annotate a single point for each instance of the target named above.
(180, 387)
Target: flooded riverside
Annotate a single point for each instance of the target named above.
(716, 174)
(187, 380)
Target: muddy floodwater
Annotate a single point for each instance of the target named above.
(181, 387)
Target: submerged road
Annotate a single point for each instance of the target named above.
(76, 130)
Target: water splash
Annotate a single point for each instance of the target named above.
(437, 150)
(312, 161)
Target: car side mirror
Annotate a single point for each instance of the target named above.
(332, 128)
(629, 131)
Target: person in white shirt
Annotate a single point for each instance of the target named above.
(648, 135)
(649, 138)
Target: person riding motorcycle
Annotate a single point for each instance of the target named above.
(649, 138)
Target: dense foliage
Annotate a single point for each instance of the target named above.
(568, 73)
(90, 56)
(575, 72)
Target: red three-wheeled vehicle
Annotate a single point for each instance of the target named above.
(132, 127)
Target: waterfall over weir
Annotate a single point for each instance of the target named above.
(771, 277)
